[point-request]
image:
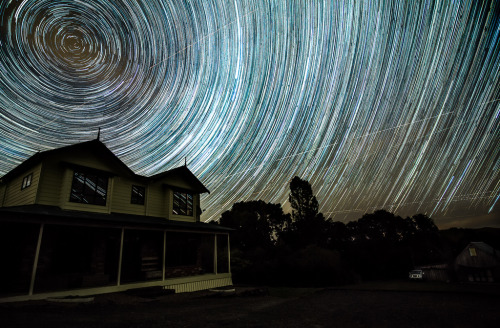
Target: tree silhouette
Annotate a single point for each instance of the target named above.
(308, 226)
(304, 248)
(257, 224)
(424, 240)
(302, 200)
(421, 223)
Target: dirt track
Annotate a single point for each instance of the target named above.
(359, 306)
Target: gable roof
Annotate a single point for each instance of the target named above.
(484, 247)
(100, 148)
(184, 172)
(96, 146)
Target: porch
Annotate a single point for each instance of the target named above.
(50, 259)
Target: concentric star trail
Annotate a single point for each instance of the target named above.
(379, 104)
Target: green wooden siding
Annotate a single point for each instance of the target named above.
(2, 194)
(156, 199)
(57, 178)
(122, 193)
(15, 196)
(50, 184)
(52, 181)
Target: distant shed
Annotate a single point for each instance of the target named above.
(436, 272)
(478, 262)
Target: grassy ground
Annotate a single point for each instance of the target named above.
(376, 304)
(426, 286)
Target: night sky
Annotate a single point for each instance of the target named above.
(379, 104)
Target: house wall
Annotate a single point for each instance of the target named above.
(122, 193)
(177, 181)
(3, 188)
(57, 178)
(474, 264)
(481, 260)
(156, 199)
(52, 186)
(88, 158)
(15, 196)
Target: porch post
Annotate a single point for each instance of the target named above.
(120, 258)
(228, 255)
(215, 253)
(164, 252)
(35, 261)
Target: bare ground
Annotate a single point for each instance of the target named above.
(385, 304)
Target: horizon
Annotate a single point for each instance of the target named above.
(378, 106)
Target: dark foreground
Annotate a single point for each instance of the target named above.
(396, 304)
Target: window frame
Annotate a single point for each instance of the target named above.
(84, 190)
(27, 180)
(183, 208)
(134, 198)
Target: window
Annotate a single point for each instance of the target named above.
(472, 251)
(89, 188)
(183, 203)
(138, 194)
(27, 181)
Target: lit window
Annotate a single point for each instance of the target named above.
(138, 195)
(183, 203)
(472, 251)
(89, 188)
(27, 181)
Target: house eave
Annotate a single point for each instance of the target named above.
(55, 215)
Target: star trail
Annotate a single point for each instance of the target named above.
(379, 104)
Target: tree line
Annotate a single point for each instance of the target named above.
(303, 248)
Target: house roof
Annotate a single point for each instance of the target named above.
(99, 147)
(95, 145)
(184, 172)
(484, 247)
(55, 215)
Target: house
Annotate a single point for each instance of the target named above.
(77, 221)
(478, 262)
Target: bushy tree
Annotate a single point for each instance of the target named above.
(424, 240)
(268, 245)
(421, 223)
(308, 225)
(257, 224)
(380, 225)
(303, 202)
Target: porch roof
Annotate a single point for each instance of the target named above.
(55, 215)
